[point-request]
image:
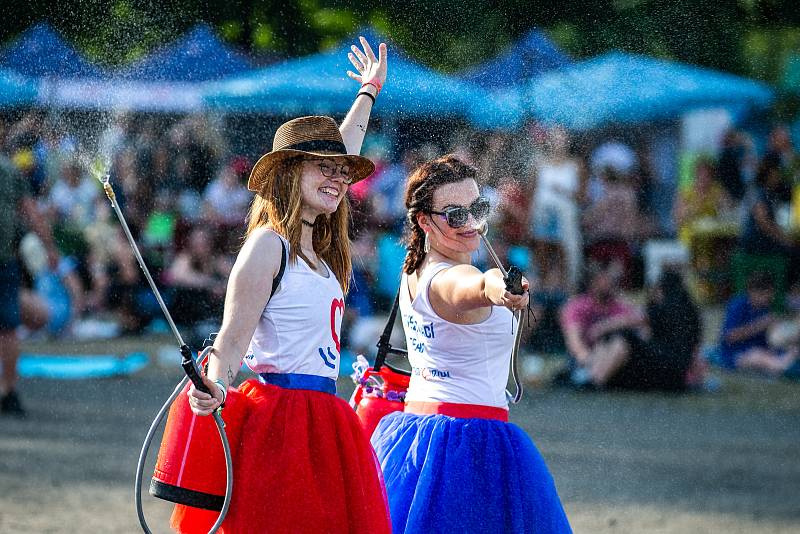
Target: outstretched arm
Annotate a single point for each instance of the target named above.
(463, 288)
(371, 75)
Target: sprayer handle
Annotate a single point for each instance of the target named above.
(192, 370)
(513, 281)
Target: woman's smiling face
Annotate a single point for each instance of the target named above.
(322, 194)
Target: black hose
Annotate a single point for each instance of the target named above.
(146, 447)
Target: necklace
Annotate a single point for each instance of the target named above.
(305, 222)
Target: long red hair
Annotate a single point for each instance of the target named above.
(278, 206)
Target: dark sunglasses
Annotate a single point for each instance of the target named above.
(457, 216)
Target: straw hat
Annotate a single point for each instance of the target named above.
(308, 136)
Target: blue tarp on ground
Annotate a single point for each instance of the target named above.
(198, 56)
(319, 84)
(40, 51)
(532, 55)
(16, 90)
(627, 88)
(80, 366)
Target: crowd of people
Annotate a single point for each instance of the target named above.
(573, 213)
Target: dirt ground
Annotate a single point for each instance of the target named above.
(722, 462)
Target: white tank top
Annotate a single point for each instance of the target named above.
(450, 362)
(298, 332)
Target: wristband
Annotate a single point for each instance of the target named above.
(223, 388)
(365, 93)
(374, 82)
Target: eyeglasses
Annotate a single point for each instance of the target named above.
(329, 169)
(457, 216)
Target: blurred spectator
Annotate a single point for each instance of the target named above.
(73, 195)
(555, 206)
(16, 206)
(675, 335)
(780, 146)
(600, 332)
(732, 164)
(198, 278)
(161, 168)
(615, 346)
(547, 299)
(53, 296)
(225, 201)
(743, 340)
(764, 245)
(388, 186)
(613, 226)
(126, 287)
(616, 216)
(510, 217)
(614, 155)
(706, 199)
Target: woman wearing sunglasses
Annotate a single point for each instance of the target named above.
(301, 461)
(451, 460)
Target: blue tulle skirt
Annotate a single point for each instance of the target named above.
(447, 474)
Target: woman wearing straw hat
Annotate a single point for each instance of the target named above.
(302, 464)
(451, 460)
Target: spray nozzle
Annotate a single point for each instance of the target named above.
(99, 170)
(482, 228)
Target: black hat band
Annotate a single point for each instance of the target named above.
(317, 146)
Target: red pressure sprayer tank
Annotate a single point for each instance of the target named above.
(190, 468)
(377, 394)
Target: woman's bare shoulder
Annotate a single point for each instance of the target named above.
(262, 249)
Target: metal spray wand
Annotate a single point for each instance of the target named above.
(188, 363)
(513, 280)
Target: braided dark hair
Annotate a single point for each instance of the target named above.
(421, 185)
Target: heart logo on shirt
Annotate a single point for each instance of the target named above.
(336, 304)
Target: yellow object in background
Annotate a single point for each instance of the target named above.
(795, 218)
(24, 159)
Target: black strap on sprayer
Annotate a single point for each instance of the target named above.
(384, 345)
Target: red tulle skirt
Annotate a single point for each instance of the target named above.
(303, 464)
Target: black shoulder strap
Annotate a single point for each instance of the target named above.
(384, 347)
(279, 276)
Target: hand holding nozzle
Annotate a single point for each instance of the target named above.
(513, 276)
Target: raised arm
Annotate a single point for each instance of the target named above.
(371, 75)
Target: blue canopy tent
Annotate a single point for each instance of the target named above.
(16, 90)
(628, 88)
(319, 84)
(198, 56)
(168, 80)
(41, 52)
(532, 55)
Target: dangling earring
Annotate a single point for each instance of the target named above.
(427, 246)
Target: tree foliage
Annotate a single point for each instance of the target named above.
(750, 37)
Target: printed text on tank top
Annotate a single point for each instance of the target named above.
(455, 363)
